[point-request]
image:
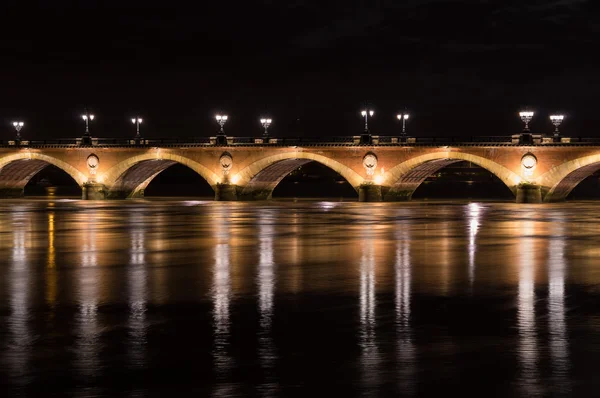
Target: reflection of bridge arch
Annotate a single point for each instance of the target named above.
(406, 177)
(17, 169)
(261, 177)
(562, 179)
(130, 177)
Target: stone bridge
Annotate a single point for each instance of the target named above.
(378, 169)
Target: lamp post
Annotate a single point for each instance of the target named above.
(526, 118)
(137, 121)
(266, 123)
(366, 113)
(87, 118)
(18, 126)
(221, 119)
(556, 121)
(221, 139)
(403, 117)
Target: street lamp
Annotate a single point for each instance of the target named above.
(221, 119)
(87, 118)
(137, 121)
(18, 126)
(526, 118)
(366, 113)
(556, 121)
(266, 123)
(403, 117)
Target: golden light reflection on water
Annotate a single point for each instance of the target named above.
(266, 290)
(559, 351)
(137, 278)
(19, 350)
(159, 248)
(89, 283)
(51, 272)
(370, 359)
(382, 263)
(526, 318)
(295, 256)
(221, 293)
(405, 346)
(473, 215)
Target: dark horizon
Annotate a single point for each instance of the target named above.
(459, 68)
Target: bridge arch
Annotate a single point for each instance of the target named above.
(401, 181)
(17, 169)
(561, 180)
(259, 179)
(129, 178)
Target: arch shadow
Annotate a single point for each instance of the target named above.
(130, 178)
(258, 180)
(567, 176)
(17, 170)
(401, 181)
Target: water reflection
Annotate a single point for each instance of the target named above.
(473, 217)
(526, 321)
(137, 282)
(383, 297)
(221, 297)
(88, 283)
(556, 308)
(18, 352)
(266, 289)
(295, 255)
(159, 246)
(405, 347)
(370, 357)
(51, 273)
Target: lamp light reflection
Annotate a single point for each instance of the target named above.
(528, 349)
(370, 357)
(18, 352)
(266, 289)
(559, 350)
(221, 294)
(138, 289)
(87, 319)
(51, 274)
(474, 214)
(405, 347)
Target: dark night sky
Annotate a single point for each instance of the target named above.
(460, 67)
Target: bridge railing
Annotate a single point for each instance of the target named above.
(296, 141)
(586, 140)
(463, 139)
(290, 141)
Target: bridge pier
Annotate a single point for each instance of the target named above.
(529, 193)
(93, 191)
(225, 192)
(369, 193)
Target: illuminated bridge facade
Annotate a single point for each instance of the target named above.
(379, 168)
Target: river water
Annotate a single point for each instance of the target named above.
(149, 298)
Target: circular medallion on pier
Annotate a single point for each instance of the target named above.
(529, 161)
(92, 163)
(370, 163)
(226, 162)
